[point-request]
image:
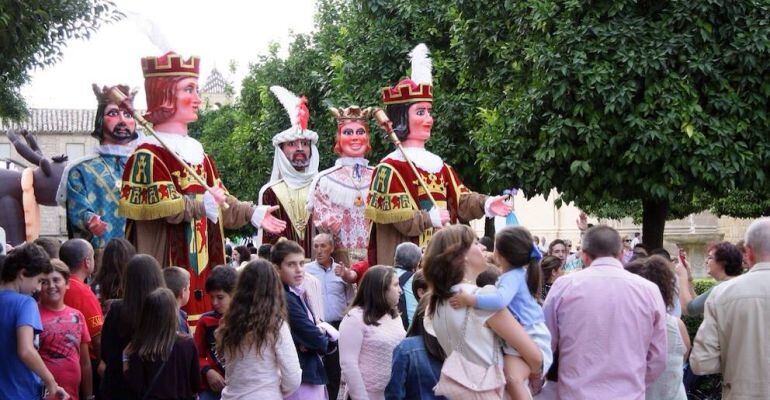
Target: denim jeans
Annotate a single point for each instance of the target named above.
(209, 395)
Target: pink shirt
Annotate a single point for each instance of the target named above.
(366, 352)
(609, 329)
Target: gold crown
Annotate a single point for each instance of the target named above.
(350, 113)
(170, 64)
(103, 98)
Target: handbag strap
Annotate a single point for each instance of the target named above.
(461, 346)
(495, 344)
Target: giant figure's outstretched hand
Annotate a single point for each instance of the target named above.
(498, 207)
(97, 226)
(271, 223)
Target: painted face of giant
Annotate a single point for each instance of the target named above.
(187, 101)
(119, 126)
(420, 121)
(353, 139)
(298, 153)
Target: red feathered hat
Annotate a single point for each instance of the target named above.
(417, 88)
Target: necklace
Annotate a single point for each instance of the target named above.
(296, 211)
(355, 177)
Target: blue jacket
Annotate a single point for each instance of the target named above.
(310, 342)
(414, 372)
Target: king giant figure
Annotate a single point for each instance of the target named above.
(400, 206)
(171, 215)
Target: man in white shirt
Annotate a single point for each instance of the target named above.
(336, 295)
(733, 338)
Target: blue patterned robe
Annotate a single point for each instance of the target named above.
(93, 188)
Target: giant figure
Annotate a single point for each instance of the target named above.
(401, 207)
(338, 194)
(295, 164)
(170, 214)
(90, 190)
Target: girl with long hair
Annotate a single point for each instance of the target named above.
(108, 283)
(143, 275)
(369, 332)
(669, 385)
(452, 262)
(255, 340)
(160, 362)
(241, 256)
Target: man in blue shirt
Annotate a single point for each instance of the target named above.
(337, 295)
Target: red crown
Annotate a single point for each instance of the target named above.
(170, 64)
(407, 91)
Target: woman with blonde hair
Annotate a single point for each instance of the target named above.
(255, 340)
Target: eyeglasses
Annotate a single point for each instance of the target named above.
(626, 240)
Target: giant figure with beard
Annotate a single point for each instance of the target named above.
(398, 205)
(171, 216)
(90, 189)
(295, 164)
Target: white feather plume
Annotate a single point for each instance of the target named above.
(150, 29)
(288, 100)
(422, 65)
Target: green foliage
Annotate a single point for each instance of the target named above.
(693, 322)
(33, 34)
(624, 101)
(615, 104)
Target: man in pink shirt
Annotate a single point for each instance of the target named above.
(608, 326)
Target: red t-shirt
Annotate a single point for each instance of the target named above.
(80, 297)
(63, 332)
(360, 267)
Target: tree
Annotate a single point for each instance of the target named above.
(32, 35)
(660, 103)
(357, 49)
(620, 105)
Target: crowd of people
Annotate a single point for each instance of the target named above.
(367, 284)
(282, 326)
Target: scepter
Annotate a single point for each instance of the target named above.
(119, 98)
(387, 126)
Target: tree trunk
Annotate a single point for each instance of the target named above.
(489, 227)
(654, 214)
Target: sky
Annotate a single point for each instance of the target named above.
(217, 31)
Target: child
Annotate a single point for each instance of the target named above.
(159, 362)
(517, 289)
(312, 341)
(255, 339)
(178, 281)
(21, 368)
(65, 338)
(219, 286)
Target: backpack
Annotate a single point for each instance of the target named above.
(402, 280)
